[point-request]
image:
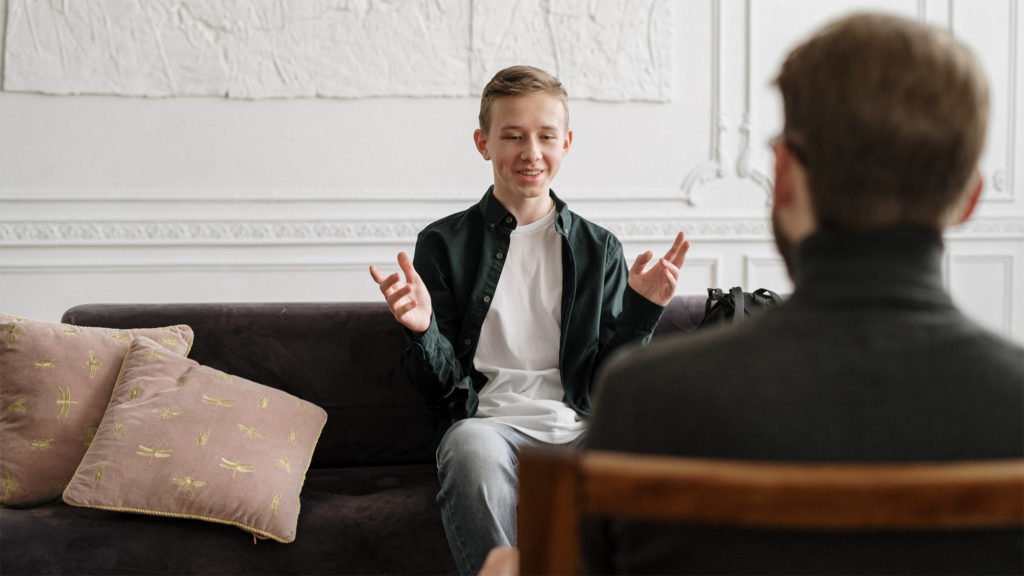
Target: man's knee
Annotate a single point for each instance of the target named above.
(474, 444)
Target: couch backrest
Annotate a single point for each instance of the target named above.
(343, 356)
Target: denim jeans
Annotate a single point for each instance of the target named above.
(477, 464)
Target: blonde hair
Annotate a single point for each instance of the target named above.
(517, 81)
(889, 116)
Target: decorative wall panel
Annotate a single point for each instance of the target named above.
(982, 284)
(609, 50)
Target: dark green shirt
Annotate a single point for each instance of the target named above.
(460, 259)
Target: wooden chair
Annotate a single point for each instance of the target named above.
(558, 487)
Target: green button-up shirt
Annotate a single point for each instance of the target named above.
(460, 259)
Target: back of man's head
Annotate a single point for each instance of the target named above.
(889, 118)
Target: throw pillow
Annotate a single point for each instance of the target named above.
(55, 382)
(185, 440)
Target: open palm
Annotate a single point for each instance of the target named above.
(658, 284)
(409, 301)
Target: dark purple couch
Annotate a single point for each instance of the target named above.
(368, 500)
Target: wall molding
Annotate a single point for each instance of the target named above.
(255, 232)
(300, 232)
(733, 30)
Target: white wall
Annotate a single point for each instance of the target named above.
(205, 198)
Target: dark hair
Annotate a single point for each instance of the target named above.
(889, 117)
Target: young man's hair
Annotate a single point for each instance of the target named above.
(517, 81)
(889, 118)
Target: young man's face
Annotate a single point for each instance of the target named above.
(525, 145)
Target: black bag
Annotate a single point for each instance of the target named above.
(734, 306)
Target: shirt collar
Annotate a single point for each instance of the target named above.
(496, 215)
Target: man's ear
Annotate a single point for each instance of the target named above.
(480, 138)
(567, 143)
(783, 193)
(973, 196)
(791, 195)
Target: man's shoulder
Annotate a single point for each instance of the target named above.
(585, 233)
(589, 227)
(995, 352)
(451, 223)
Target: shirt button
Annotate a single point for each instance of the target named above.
(487, 298)
(468, 341)
(508, 220)
(499, 255)
(492, 226)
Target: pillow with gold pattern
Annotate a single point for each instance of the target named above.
(55, 382)
(185, 440)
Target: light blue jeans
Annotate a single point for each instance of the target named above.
(477, 464)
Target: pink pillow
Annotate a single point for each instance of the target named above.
(184, 440)
(55, 382)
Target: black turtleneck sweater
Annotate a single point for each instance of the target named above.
(868, 360)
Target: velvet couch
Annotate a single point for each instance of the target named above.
(367, 505)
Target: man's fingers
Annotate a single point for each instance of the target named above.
(395, 296)
(641, 261)
(670, 267)
(677, 253)
(405, 262)
(681, 254)
(672, 278)
(387, 283)
(376, 274)
(401, 310)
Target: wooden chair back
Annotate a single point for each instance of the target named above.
(560, 486)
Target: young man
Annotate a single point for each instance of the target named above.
(868, 360)
(510, 307)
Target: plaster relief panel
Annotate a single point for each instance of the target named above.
(616, 50)
(237, 48)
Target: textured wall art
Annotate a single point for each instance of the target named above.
(606, 50)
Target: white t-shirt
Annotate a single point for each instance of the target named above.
(518, 348)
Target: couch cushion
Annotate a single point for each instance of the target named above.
(55, 381)
(344, 357)
(365, 520)
(184, 440)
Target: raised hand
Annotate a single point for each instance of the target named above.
(659, 283)
(409, 301)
